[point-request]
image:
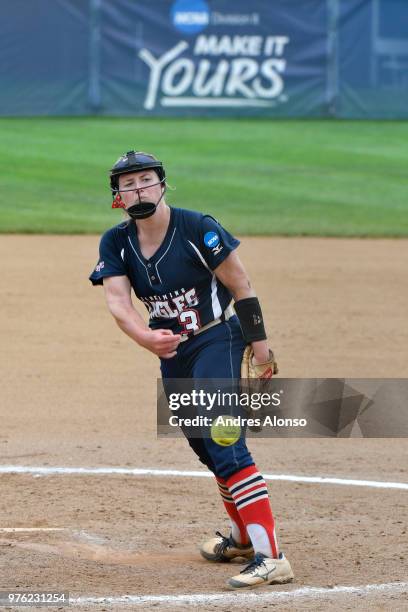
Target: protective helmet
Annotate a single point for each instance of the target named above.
(135, 161)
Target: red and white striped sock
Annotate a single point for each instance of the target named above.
(248, 490)
(238, 530)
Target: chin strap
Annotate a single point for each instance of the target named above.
(142, 211)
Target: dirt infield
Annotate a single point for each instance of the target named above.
(76, 392)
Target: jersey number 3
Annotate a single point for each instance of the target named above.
(189, 320)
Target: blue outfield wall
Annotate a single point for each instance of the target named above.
(266, 58)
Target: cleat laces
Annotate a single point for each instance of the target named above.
(226, 542)
(255, 564)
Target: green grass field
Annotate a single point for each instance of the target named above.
(323, 178)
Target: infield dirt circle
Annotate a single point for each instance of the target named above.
(77, 393)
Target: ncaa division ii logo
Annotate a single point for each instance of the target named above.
(190, 16)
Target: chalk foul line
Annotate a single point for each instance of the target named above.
(252, 596)
(31, 529)
(88, 471)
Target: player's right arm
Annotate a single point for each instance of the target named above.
(161, 342)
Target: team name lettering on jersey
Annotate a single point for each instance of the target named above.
(170, 305)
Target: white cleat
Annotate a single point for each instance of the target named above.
(263, 570)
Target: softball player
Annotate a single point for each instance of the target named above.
(184, 268)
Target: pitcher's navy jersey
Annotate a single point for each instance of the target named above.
(177, 284)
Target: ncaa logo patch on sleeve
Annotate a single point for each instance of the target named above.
(211, 239)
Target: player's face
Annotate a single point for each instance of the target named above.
(141, 186)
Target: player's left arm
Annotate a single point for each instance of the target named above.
(232, 274)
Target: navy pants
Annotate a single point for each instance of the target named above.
(215, 353)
